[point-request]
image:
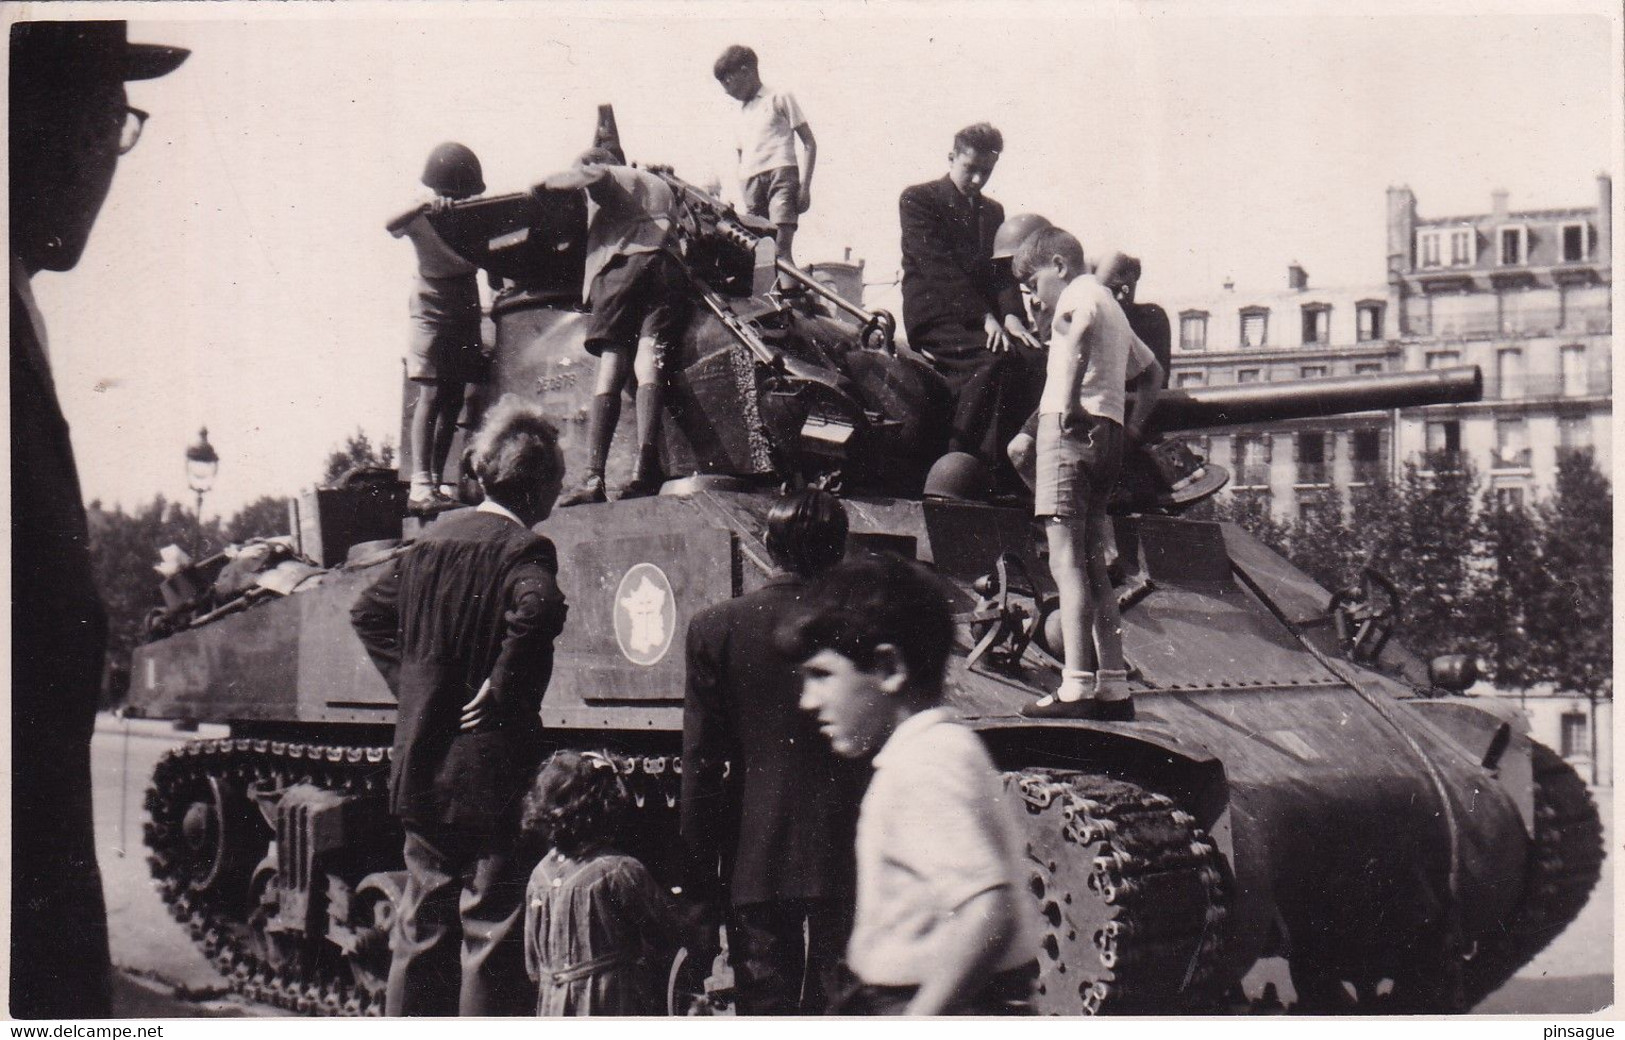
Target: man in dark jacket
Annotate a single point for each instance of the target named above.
(69, 124)
(963, 311)
(774, 839)
(462, 627)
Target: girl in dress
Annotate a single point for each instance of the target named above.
(598, 929)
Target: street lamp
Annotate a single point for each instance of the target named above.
(201, 465)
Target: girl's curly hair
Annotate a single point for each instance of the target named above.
(578, 800)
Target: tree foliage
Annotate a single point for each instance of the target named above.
(1526, 589)
(265, 517)
(1571, 618)
(357, 452)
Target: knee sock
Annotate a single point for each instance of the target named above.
(649, 408)
(602, 418)
(1111, 685)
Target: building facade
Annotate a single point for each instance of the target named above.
(1524, 295)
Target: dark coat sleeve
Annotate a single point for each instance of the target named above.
(1001, 286)
(948, 270)
(534, 617)
(707, 744)
(377, 621)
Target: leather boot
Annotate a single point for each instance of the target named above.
(602, 416)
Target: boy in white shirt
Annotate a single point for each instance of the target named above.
(774, 187)
(1081, 435)
(941, 926)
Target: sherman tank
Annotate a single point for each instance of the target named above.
(1299, 789)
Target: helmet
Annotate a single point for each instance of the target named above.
(453, 169)
(959, 477)
(1014, 231)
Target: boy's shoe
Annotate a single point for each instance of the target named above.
(1053, 707)
(640, 487)
(425, 499)
(589, 492)
(1086, 708)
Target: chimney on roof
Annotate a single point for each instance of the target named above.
(1498, 203)
(1297, 277)
(1605, 219)
(1401, 228)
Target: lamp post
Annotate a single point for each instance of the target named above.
(201, 465)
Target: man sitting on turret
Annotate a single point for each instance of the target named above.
(639, 293)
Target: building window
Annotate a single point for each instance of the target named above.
(1444, 435)
(1367, 368)
(1317, 323)
(1514, 245)
(1368, 322)
(1509, 374)
(1255, 327)
(1509, 498)
(1463, 247)
(1247, 375)
(1193, 330)
(1443, 358)
(1572, 358)
(1251, 455)
(1182, 379)
(1573, 434)
(1313, 372)
(1367, 449)
(1574, 243)
(1575, 736)
(1427, 249)
(1511, 444)
(1313, 466)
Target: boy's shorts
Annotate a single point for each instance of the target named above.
(637, 296)
(1077, 468)
(775, 194)
(445, 342)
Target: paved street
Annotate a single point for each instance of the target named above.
(166, 977)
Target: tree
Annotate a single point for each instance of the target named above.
(265, 517)
(357, 452)
(1428, 551)
(1507, 583)
(1571, 625)
(124, 548)
(1251, 512)
(1320, 542)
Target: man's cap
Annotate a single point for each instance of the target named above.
(74, 50)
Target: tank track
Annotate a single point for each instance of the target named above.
(217, 920)
(1133, 896)
(1565, 861)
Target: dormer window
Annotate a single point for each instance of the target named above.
(1463, 247)
(1317, 323)
(1576, 243)
(1193, 330)
(1368, 320)
(1427, 249)
(1255, 326)
(1514, 245)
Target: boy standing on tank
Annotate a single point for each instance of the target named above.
(939, 927)
(774, 187)
(445, 351)
(1081, 435)
(638, 291)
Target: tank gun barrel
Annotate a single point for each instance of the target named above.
(1210, 407)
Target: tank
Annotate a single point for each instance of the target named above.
(1299, 788)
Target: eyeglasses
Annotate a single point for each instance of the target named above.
(130, 129)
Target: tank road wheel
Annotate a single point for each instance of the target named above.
(1131, 894)
(377, 901)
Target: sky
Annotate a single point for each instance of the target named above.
(240, 277)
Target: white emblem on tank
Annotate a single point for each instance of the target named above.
(645, 614)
